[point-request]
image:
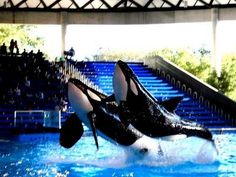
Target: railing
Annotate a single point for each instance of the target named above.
(200, 91)
(45, 118)
(73, 72)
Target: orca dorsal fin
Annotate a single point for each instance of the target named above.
(92, 116)
(71, 131)
(171, 104)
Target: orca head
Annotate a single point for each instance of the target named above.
(124, 80)
(78, 99)
(84, 99)
(72, 129)
(125, 83)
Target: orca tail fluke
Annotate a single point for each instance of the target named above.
(92, 117)
(206, 134)
(194, 129)
(71, 131)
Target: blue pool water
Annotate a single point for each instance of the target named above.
(41, 155)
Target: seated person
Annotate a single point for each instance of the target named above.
(70, 53)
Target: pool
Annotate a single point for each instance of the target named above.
(41, 155)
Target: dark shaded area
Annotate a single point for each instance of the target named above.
(30, 82)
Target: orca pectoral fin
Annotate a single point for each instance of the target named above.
(125, 115)
(171, 104)
(71, 131)
(92, 117)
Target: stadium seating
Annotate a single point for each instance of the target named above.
(41, 86)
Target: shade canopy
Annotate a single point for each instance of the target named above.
(113, 5)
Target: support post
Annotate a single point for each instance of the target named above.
(215, 59)
(63, 17)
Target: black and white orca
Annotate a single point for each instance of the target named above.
(140, 109)
(99, 116)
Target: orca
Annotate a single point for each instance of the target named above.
(99, 116)
(140, 109)
(102, 117)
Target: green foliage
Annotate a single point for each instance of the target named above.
(21, 33)
(228, 67)
(226, 83)
(222, 83)
(197, 63)
(114, 55)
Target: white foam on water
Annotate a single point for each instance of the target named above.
(158, 152)
(145, 151)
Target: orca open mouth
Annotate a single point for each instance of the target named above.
(80, 85)
(127, 71)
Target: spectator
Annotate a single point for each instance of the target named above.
(17, 91)
(24, 54)
(31, 54)
(27, 82)
(63, 105)
(17, 94)
(41, 96)
(3, 49)
(11, 47)
(11, 101)
(39, 55)
(70, 53)
(16, 47)
(10, 92)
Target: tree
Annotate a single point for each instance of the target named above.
(21, 33)
(197, 63)
(114, 55)
(222, 82)
(228, 66)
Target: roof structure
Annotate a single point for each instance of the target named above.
(112, 5)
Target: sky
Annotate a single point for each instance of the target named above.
(89, 40)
